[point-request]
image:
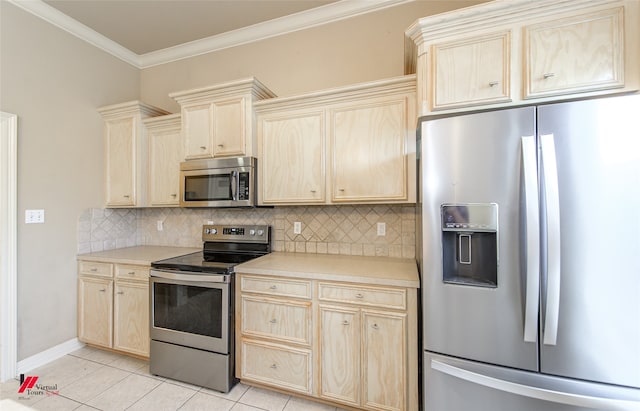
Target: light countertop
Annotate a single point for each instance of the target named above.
(400, 272)
(139, 255)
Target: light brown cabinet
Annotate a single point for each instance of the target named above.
(352, 144)
(126, 153)
(575, 54)
(364, 345)
(275, 332)
(217, 121)
(165, 155)
(344, 343)
(471, 71)
(508, 53)
(113, 306)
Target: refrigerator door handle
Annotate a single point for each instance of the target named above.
(531, 391)
(550, 170)
(532, 228)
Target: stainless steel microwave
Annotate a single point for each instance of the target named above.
(224, 182)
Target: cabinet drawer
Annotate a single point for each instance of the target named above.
(286, 321)
(380, 297)
(132, 272)
(276, 287)
(95, 268)
(275, 365)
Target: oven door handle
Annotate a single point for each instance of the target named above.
(189, 276)
(234, 185)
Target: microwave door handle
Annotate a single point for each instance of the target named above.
(234, 185)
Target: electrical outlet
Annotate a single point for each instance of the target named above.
(159, 225)
(297, 227)
(34, 216)
(382, 229)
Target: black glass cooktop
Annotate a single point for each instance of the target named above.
(222, 263)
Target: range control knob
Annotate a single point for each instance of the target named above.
(213, 231)
(260, 232)
(252, 232)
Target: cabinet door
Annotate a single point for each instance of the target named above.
(120, 162)
(131, 317)
(471, 72)
(197, 131)
(369, 152)
(95, 310)
(292, 158)
(229, 128)
(166, 153)
(577, 54)
(340, 355)
(384, 372)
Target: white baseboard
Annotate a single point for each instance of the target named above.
(49, 355)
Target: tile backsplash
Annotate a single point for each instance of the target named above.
(347, 229)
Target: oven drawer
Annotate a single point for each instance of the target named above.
(95, 268)
(370, 296)
(132, 272)
(276, 287)
(276, 365)
(284, 320)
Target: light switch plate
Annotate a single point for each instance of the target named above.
(297, 227)
(34, 216)
(382, 229)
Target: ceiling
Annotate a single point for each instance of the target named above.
(146, 33)
(143, 26)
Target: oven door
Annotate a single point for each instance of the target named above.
(191, 310)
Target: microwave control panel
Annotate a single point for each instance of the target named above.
(243, 186)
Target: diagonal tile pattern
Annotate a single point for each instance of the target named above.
(92, 379)
(345, 229)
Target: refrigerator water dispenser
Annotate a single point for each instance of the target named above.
(470, 244)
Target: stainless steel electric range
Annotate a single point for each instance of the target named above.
(192, 306)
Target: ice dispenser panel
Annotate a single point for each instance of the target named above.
(470, 244)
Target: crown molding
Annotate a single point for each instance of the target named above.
(329, 13)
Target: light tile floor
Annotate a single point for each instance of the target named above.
(90, 379)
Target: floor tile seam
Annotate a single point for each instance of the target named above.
(155, 388)
(106, 389)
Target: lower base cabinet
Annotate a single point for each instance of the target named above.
(355, 346)
(113, 306)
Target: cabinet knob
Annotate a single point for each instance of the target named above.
(345, 322)
(203, 148)
(103, 290)
(341, 189)
(375, 326)
(273, 366)
(131, 273)
(273, 287)
(313, 191)
(548, 75)
(174, 195)
(126, 196)
(273, 321)
(120, 292)
(359, 296)
(493, 83)
(94, 269)
(220, 145)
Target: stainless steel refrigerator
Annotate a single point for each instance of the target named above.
(529, 232)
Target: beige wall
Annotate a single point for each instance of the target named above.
(363, 48)
(54, 82)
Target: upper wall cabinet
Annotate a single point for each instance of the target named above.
(165, 155)
(217, 121)
(126, 153)
(506, 53)
(352, 144)
(575, 54)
